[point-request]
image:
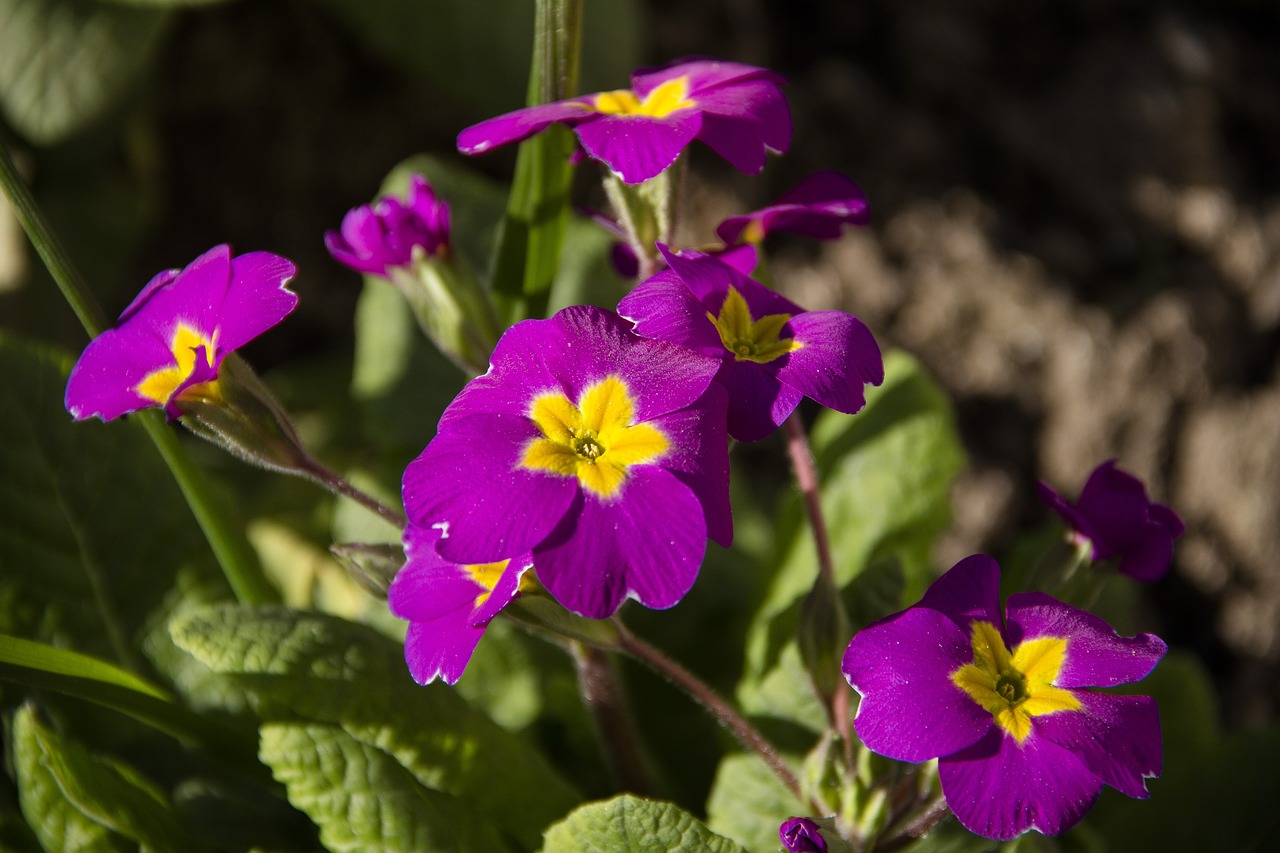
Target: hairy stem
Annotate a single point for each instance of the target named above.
(807, 481)
(598, 683)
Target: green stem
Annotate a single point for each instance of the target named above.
(598, 683)
(238, 561)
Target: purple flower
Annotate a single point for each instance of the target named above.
(376, 237)
(600, 453)
(448, 605)
(818, 206)
(172, 339)
(801, 835)
(1000, 702)
(1117, 518)
(738, 110)
(771, 352)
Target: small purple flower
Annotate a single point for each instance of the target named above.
(376, 237)
(1117, 518)
(448, 606)
(999, 701)
(172, 338)
(770, 351)
(737, 110)
(801, 835)
(819, 206)
(600, 453)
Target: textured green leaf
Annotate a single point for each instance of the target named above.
(748, 803)
(628, 824)
(63, 63)
(363, 800)
(328, 670)
(92, 526)
(100, 797)
(885, 475)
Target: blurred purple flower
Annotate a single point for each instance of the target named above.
(999, 701)
(376, 237)
(801, 835)
(771, 352)
(737, 110)
(819, 206)
(601, 453)
(173, 337)
(1117, 518)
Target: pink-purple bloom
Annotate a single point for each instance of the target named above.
(601, 454)
(173, 337)
(1001, 701)
(1115, 516)
(374, 238)
(770, 352)
(801, 835)
(819, 206)
(448, 605)
(737, 110)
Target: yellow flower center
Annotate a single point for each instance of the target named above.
(1015, 686)
(661, 102)
(159, 385)
(594, 440)
(487, 575)
(747, 339)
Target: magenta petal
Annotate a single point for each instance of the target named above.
(910, 709)
(195, 297)
(646, 545)
(710, 279)
(819, 206)
(1096, 655)
(639, 147)
(662, 307)
(742, 258)
(440, 649)
(158, 283)
(836, 359)
(702, 75)
(756, 103)
(758, 402)
(521, 124)
(469, 480)
(737, 141)
(998, 789)
(103, 380)
(699, 457)
(256, 299)
(968, 592)
(1117, 738)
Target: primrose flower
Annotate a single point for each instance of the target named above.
(1118, 520)
(169, 343)
(1000, 702)
(770, 351)
(818, 207)
(448, 606)
(600, 453)
(374, 238)
(801, 835)
(737, 110)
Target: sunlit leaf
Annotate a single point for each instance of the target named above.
(628, 824)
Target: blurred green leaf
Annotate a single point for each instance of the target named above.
(748, 803)
(96, 791)
(63, 63)
(885, 475)
(25, 654)
(363, 800)
(325, 669)
(628, 824)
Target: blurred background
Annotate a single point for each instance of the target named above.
(1076, 214)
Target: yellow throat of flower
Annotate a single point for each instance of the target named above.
(747, 339)
(661, 102)
(159, 385)
(1015, 686)
(594, 440)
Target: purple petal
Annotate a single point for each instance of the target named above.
(646, 545)
(739, 141)
(469, 479)
(818, 206)
(202, 370)
(702, 74)
(521, 124)
(836, 359)
(103, 380)
(743, 258)
(710, 279)
(256, 299)
(1116, 737)
(756, 103)
(910, 708)
(1096, 655)
(998, 789)
(758, 402)
(699, 458)
(441, 648)
(1066, 511)
(639, 147)
(969, 592)
(428, 586)
(194, 298)
(1148, 558)
(662, 307)
(159, 282)
(801, 835)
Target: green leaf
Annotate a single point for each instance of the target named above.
(885, 476)
(748, 803)
(325, 669)
(25, 654)
(101, 797)
(63, 63)
(628, 824)
(363, 800)
(92, 526)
